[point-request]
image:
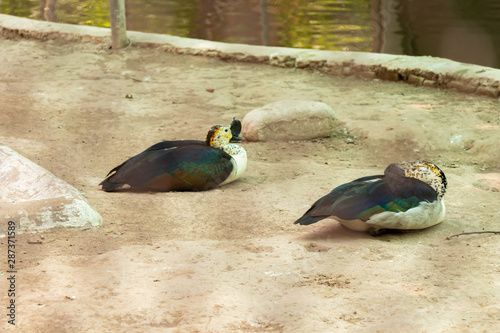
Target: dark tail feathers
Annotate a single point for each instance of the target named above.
(110, 187)
(307, 219)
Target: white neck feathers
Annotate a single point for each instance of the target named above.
(239, 160)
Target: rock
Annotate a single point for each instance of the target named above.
(289, 120)
(36, 200)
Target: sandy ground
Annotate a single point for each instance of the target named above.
(231, 259)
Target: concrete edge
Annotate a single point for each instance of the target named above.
(420, 71)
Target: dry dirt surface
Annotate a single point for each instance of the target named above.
(231, 259)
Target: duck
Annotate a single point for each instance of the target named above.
(408, 196)
(183, 165)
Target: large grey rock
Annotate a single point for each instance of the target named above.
(289, 120)
(36, 200)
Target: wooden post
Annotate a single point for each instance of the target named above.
(118, 24)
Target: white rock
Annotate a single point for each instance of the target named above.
(289, 120)
(36, 200)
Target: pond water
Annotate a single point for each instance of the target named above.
(462, 30)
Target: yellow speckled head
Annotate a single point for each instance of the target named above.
(219, 136)
(428, 173)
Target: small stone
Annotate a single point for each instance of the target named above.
(389, 75)
(368, 75)
(416, 80)
(430, 84)
(488, 91)
(462, 87)
(346, 71)
(289, 120)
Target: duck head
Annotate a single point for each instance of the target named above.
(218, 136)
(427, 172)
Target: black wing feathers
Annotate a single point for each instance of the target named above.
(171, 166)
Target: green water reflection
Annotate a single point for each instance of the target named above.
(461, 30)
(320, 24)
(331, 25)
(88, 12)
